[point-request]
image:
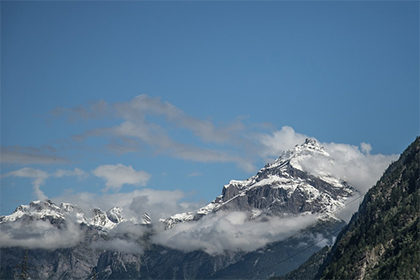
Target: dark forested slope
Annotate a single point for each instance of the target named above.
(382, 240)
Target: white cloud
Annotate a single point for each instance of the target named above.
(75, 172)
(39, 235)
(366, 148)
(160, 204)
(358, 167)
(118, 175)
(279, 141)
(231, 231)
(125, 237)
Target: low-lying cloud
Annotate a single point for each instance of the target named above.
(231, 231)
(125, 238)
(159, 204)
(39, 235)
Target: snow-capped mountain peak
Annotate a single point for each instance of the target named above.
(310, 148)
(39, 210)
(281, 188)
(47, 210)
(114, 215)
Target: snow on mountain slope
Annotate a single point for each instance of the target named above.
(47, 210)
(281, 188)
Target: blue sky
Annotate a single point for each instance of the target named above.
(112, 97)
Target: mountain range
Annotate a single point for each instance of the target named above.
(260, 227)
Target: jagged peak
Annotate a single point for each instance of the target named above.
(114, 214)
(286, 173)
(311, 146)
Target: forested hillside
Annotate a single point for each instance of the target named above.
(382, 240)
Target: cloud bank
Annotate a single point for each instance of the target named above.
(231, 231)
(159, 204)
(40, 235)
(123, 238)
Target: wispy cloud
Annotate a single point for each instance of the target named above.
(39, 177)
(143, 105)
(157, 124)
(94, 110)
(214, 143)
(30, 155)
(195, 174)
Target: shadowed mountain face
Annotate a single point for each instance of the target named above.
(275, 213)
(382, 240)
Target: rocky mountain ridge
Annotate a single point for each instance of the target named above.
(281, 188)
(56, 213)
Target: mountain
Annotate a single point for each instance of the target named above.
(107, 245)
(282, 188)
(47, 210)
(382, 240)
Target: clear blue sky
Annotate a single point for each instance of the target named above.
(213, 80)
